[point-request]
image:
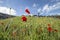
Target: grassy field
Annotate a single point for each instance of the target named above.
(34, 29)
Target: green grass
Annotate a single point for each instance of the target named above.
(30, 30)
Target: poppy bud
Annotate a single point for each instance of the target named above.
(56, 30)
(49, 25)
(27, 11)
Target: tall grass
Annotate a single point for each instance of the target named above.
(34, 29)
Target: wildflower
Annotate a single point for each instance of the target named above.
(24, 18)
(27, 11)
(49, 29)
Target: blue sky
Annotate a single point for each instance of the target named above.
(44, 7)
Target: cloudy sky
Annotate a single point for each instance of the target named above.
(44, 7)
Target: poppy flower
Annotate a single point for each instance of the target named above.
(49, 29)
(27, 11)
(24, 18)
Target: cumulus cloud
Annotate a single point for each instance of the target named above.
(6, 10)
(45, 8)
(48, 8)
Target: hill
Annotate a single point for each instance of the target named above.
(4, 16)
(36, 28)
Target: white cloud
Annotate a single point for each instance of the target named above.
(58, 13)
(34, 5)
(55, 6)
(27, 14)
(31, 14)
(54, 14)
(46, 9)
(39, 10)
(6, 10)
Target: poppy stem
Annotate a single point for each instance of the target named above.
(49, 33)
(42, 37)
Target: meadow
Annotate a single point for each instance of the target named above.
(35, 28)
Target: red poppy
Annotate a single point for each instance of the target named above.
(24, 18)
(27, 11)
(49, 25)
(49, 29)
